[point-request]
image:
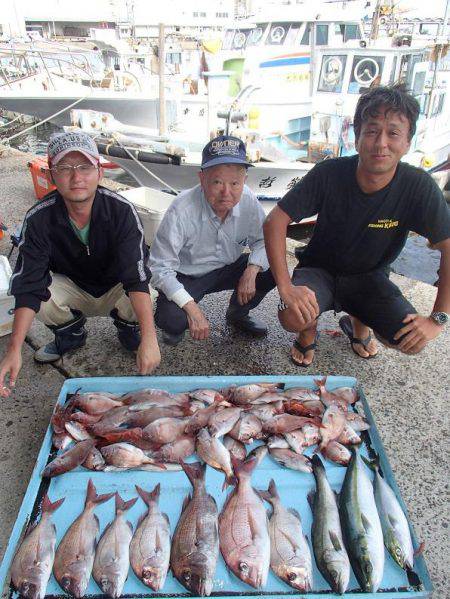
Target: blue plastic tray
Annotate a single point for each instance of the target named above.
(293, 487)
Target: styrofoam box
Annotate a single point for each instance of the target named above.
(151, 205)
(6, 301)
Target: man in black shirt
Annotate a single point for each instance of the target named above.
(366, 206)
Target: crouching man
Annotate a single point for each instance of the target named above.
(200, 243)
(82, 253)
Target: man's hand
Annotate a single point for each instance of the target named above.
(148, 357)
(198, 324)
(10, 365)
(418, 331)
(246, 288)
(302, 302)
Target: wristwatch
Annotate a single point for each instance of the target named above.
(440, 317)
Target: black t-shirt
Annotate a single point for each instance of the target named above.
(357, 232)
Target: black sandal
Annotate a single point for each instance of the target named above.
(346, 325)
(303, 349)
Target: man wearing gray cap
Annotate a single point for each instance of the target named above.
(82, 253)
(199, 248)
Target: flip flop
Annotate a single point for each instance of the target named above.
(346, 325)
(303, 349)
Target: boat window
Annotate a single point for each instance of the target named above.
(429, 29)
(352, 32)
(407, 68)
(256, 34)
(365, 71)
(292, 34)
(438, 103)
(394, 66)
(321, 35)
(419, 82)
(332, 73)
(305, 41)
(228, 39)
(240, 39)
(277, 34)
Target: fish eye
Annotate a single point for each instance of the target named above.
(187, 575)
(243, 567)
(291, 576)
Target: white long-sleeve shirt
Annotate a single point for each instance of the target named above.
(193, 240)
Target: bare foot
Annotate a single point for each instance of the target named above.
(361, 331)
(304, 339)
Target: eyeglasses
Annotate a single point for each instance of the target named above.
(67, 169)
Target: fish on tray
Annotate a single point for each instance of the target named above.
(328, 545)
(69, 460)
(195, 543)
(361, 525)
(32, 564)
(150, 545)
(112, 555)
(243, 529)
(290, 556)
(74, 557)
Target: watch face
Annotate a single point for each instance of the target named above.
(440, 317)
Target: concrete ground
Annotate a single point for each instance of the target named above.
(407, 395)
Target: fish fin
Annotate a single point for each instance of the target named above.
(186, 501)
(294, 512)
(229, 481)
(310, 498)
(166, 517)
(420, 549)
(122, 505)
(195, 471)
(148, 497)
(365, 523)
(320, 382)
(92, 497)
(48, 506)
(335, 541)
(265, 495)
(272, 489)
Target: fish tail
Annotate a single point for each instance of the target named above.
(49, 507)
(122, 505)
(149, 496)
(92, 497)
(230, 481)
(270, 494)
(373, 464)
(195, 471)
(321, 382)
(245, 468)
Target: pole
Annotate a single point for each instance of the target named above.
(161, 67)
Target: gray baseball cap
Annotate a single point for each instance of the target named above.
(61, 144)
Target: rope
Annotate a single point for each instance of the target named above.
(5, 141)
(141, 165)
(11, 122)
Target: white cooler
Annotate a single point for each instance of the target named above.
(151, 205)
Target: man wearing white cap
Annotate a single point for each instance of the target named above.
(82, 253)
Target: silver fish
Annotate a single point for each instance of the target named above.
(245, 394)
(329, 551)
(69, 460)
(277, 442)
(74, 557)
(150, 545)
(112, 556)
(336, 452)
(195, 543)
(213, 452)
(32, 564)
(361, 525)
(396, 534)
(94, 460)
(243, 530)
(290, 557)
(291, 459)
(296, 440)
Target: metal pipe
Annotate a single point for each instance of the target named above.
(161, 73)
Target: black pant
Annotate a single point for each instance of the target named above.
(173, 319)
(371, 297)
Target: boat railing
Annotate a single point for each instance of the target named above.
(34, 61)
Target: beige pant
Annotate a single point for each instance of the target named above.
(66, 295)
